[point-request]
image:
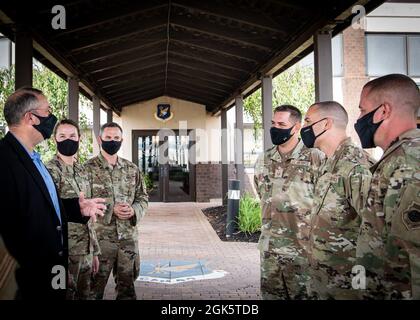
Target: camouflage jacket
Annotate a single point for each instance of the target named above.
(389, 243)
(285, 185)
(70, 181)
(339, 194)
(121, 183)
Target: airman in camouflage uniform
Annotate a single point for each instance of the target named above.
(83, 244)
(71, 179)
(285, 184)
(388, 246)
(118, 238)
(339, 193)
(340, 190)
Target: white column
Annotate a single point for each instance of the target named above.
(323, 67)
(224, 154)
(239, 140)
(96, 123)
(267, 109)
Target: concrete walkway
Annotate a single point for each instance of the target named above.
(180, 232)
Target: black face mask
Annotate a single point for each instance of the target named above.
(280, 136)
(68, 147)
(366, 129)
(308, 136)
(46, 125)
(111, 147)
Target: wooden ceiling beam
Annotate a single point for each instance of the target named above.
(117, 72)
(209, 60)
(183, 96)
(139, 30)
(173, 77)
(195, 91)
(114, 51)
(124, 59)
(109, 16)
(235, 14)
(219, 47)
(153, 68)
(117, 83)
(135, 83)
(138, 96)
(225, 33)
(209, 68)
(145, 86)
(227, 85)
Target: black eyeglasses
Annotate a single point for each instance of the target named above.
(49, 110)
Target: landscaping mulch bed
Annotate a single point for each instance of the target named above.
(217, 218)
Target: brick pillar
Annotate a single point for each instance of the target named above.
(354, 74)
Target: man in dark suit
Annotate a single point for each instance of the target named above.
(33, 220)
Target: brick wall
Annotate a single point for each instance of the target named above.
(354, 77)
(208, 180)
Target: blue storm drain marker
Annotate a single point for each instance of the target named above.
(177, 271)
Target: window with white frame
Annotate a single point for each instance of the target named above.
(393, 53)
(413, 54)
(5, 52)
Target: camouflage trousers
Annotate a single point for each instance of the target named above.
(123, 259)
(80, 273)
(283, 278)
(332, 282)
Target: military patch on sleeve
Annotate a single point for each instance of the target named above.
(411, 216)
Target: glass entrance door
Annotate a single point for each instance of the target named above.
(167, 164)
(148, 156)
(178, 169)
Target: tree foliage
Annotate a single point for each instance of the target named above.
(294, 86)
(55, 89)
(7, 86)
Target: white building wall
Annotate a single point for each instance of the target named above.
(394, 17)
(140, 116)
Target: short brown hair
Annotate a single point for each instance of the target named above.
(294, 112)
(334, 110)
(66, 121)
(395, 87)
(110, 125)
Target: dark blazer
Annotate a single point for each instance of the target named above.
(29, 225)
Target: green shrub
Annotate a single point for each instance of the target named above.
(148, 182)
(249, 220)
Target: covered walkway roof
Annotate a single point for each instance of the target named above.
(203, 51)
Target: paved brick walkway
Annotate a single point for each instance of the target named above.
(180, 231)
